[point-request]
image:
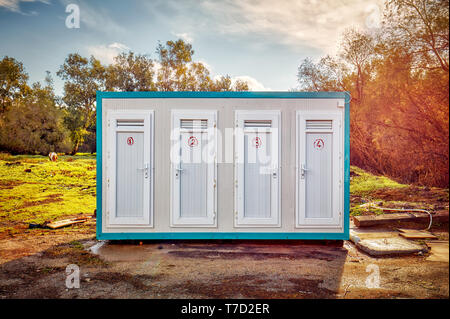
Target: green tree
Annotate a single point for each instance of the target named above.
(13, 82)
(34, 124)
(83, 78)
(178, 72)
(130, 72)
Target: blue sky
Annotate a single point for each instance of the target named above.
(261, 41)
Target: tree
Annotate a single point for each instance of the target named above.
(357, 49)
(83, 78)
(421, 27)
(399, 83)
(130, 72)
(174, 70)
(13, 82)
(329, 74)
(178, 72)
(34, 124)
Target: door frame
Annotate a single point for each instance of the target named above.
(337, 179)
(211, 219)
(148, 129)
(240, 220)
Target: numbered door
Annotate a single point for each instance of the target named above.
(193, 168)
(319, 178)
(130, 158)
(257, 168)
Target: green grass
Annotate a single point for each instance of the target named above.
(55, 190)
(365, 183)
(50, 191)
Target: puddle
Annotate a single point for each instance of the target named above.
(95, 248)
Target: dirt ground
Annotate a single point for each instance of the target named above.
(34, 267)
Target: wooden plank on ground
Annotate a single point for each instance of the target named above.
(440, 216)
(415, 234)
(64, 223)
(374, 220)
(439, 251)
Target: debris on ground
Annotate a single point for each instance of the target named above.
(416, 234)
(377, 220)
(67, 222)
(61, 223)
(438, 251)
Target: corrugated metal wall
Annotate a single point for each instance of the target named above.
(257, 203)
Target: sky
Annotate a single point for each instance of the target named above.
(260, 41)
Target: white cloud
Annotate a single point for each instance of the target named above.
(106, 53)
(253, 84)
(14, 5)
(296, 23)
(185, 36)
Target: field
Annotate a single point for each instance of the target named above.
(34, 190)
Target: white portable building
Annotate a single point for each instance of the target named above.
(223, 165)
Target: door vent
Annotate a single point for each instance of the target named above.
(194, 124)
(127, 122)
(257, 124)
(319, 124)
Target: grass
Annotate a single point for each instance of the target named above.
(34, 189)
(363, 183)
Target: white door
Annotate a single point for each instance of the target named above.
(319, 178)
(130, 163)
(257, 168)
(193, 168)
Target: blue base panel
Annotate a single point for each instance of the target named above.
(220, 235)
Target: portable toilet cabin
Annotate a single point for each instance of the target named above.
(223, 165)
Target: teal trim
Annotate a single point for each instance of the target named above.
(223, 95)
(347, 167)
(99, 165)
(220, 235)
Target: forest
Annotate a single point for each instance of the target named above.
(397, 75)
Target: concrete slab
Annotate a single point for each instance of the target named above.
(384, 243)
(438, 251)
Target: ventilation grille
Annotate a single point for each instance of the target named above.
(130, 123)
(257, 124)
(194, 124)
(319, 124)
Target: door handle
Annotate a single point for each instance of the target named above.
(303, 171)
(145, 169)
(178, 171)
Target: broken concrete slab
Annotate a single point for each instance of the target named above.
(385, 243)
(438, 251)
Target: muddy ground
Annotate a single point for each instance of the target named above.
(34, 267)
